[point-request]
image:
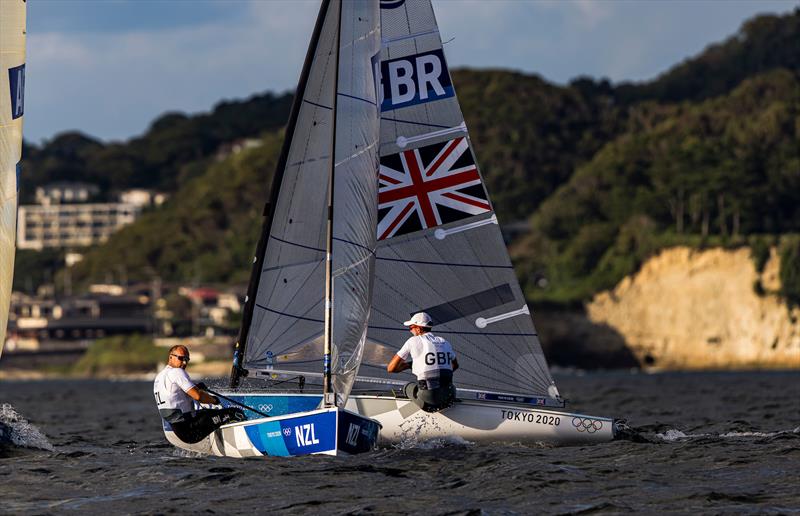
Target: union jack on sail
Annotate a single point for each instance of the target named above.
(428, 186)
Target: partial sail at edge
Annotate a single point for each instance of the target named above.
(12, 108)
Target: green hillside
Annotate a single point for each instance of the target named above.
(714, 171)
(206, 232)
(705, 154)
(174, 149)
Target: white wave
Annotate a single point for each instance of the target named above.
(187, 454)
(432, 443)
(22, 433)
(672, 434)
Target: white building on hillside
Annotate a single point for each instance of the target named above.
(71, 225)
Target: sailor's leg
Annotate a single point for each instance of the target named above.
(199, 424)
(412, 392)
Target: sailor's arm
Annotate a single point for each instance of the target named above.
(397, 365)
(454, 363)
(202, 396)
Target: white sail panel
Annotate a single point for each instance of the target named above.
(355, 189)
(441, 249)
(12, 108)
(288, 312)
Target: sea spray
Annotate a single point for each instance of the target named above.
(415, 432)
(15, 430)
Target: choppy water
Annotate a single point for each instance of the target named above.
(713, 443)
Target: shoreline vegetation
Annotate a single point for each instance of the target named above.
(132, 357)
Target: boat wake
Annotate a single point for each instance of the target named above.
(17, 433)
(673, 435)
(433, 443)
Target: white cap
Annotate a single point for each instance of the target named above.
(420, 319)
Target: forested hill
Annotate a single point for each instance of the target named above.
(763, 43)
(708, 149)
(174, 149)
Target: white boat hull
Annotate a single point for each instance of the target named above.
(472, 420)
(478, 421)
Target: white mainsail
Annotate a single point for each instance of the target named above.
(12, 88)
(441, 250)
(333, 134)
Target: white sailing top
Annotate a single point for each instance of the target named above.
(170, 387)
(428, 354)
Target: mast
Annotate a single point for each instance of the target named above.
(328, 394)
(237, 371)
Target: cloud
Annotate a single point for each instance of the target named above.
(113, 83)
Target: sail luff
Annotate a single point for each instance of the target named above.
(355, 192)
(12, 88)
(258, 259)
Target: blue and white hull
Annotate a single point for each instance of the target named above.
(330, 431)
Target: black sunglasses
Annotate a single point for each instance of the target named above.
(182, 358)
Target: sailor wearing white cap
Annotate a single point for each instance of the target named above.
(432, 360)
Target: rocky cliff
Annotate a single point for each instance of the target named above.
(693, 309)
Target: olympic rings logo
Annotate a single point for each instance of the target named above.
(287, 431)
(265, 407)
(589, 426)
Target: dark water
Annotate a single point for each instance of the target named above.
(715, 443)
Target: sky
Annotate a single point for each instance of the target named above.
(108, 68)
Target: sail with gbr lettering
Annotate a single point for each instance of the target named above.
(12, 109)
(440, 247)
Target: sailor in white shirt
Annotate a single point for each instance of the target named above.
(176, 395)
(432, 360)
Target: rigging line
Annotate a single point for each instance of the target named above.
(488, 334)
(293, 362)
(285, 314)
(357, 98)
(356, 244)
(296, 244)
(413, 123)
(318, 105)
(423, 262)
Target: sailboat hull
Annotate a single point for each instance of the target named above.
(331, 431)
(472, 420)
